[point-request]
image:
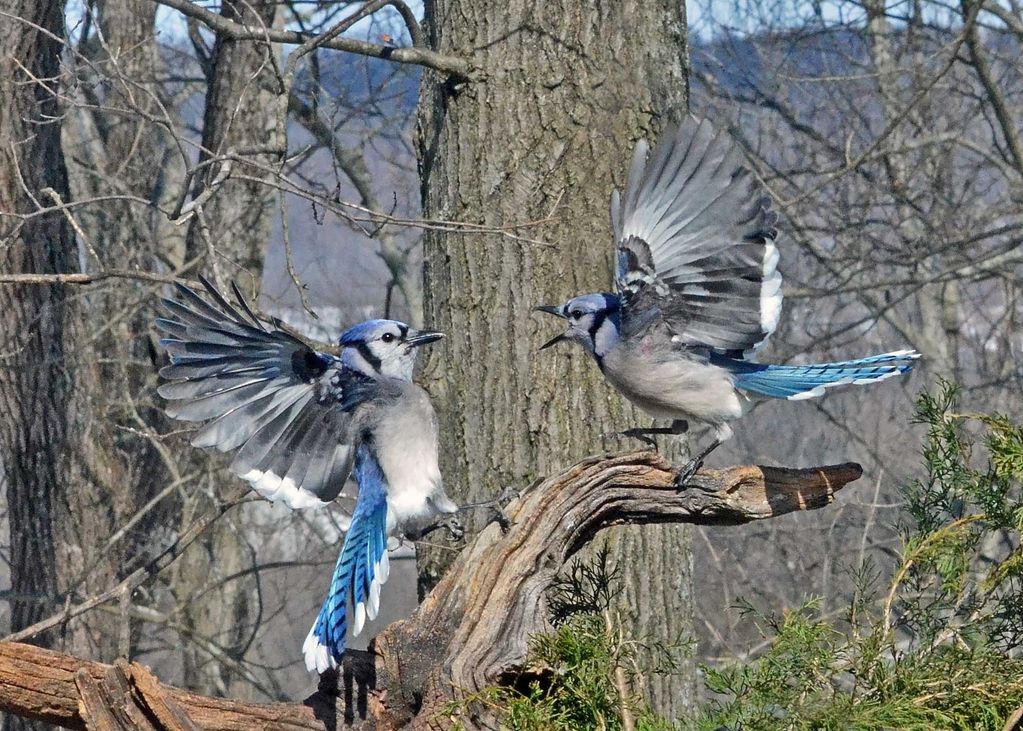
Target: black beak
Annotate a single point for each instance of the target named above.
(554, 341)
(555, 310)
(550, 310)
(422, 337)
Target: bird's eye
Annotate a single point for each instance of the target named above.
(387, 337)
(576, 314)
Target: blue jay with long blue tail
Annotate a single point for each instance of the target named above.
(697, 291)
(301, 420)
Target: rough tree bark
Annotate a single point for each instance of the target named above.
(561, 93)
(243, 127)
(117, 145)
(39, 408)
(35, 380)
(471, 632)
(113, 152)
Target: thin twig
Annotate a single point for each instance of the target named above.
(137, 577)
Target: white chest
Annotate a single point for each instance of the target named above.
(673, 388)
(406, 449)
(413, 476)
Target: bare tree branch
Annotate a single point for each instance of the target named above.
(994, 93)
(473, 630)
(455, 67)
(93, 278)
(140, 576)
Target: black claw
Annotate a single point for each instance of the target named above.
(684, 475)
(502, 520)
(506, 496)
(455, 528)
(496, 508)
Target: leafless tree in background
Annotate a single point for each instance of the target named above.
(177, 161)
(38, 378)
(888, 133)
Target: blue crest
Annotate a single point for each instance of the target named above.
(369, 330)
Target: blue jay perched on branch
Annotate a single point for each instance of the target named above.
(697, 292)
(300, 420)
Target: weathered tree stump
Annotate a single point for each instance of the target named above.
(471, 632)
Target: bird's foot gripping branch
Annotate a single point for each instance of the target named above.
(472, 631)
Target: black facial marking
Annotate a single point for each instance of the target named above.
(598, 319)
(613, 308)
(404, 331)
(367, 354)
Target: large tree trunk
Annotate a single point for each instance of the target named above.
(75, 475)
(562, 91)
(244, 128)
(36, 380)
(39, 408)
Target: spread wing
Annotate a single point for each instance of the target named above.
(695, 243)
(287, 409)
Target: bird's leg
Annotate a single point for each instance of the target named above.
(451, 524)
(497, 506)
(686, 473)
(678, 426)
(455, 527)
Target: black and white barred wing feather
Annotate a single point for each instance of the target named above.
(285, 407)
(695, 243)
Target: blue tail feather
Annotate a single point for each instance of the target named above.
(796, 382)
(360, 568)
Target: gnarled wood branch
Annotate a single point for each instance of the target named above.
(471, 632)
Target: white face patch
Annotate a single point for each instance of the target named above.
(594, 328)
(605, 338)
(580, 328)
(381, 349)
(397, 360)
